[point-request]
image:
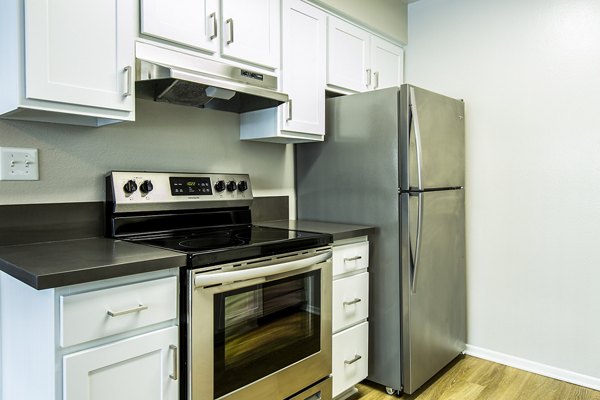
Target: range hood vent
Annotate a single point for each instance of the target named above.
(216, 85)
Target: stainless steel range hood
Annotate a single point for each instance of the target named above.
(214, 85)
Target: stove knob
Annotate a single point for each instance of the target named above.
(130, 187)
(146, 186)
(231, 186)
(220, 186)
(242, 186)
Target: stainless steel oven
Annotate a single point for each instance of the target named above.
(260, 329)
(255, 302)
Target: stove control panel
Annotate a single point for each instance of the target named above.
(144, 191)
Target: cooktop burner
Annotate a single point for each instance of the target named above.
(225, 244)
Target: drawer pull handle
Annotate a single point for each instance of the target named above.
(139, 308)
(355, 359)
(175, 374)
(348, 303)
(352, 258)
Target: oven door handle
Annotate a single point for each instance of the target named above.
(209, 279)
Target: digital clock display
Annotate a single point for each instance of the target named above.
(186, 186)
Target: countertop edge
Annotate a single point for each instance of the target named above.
(339, 231)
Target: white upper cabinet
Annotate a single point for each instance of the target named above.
(74, 59)
(193, 23)
(241, 30)
(348, 55)
(80, 52)
(387, 64)
(250, 31)
(358, 61)
(303, 65)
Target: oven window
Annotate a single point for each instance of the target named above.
(263, 328)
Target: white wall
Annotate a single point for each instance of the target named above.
(529, 72)
(74, 160)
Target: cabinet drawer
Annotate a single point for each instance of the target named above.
(350, 300)
(350, 257)
(93, 315)
(350, 357)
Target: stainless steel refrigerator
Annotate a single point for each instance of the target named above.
(394, 159)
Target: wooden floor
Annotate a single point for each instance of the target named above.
(470, 378)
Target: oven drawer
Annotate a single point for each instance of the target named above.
(93, 315)
(350, 357)
(350, 258)
(350, 301)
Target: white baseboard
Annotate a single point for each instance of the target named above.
(535, 367)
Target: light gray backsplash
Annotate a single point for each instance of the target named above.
(73, 160)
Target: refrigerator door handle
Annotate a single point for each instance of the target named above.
(417, 252)
(415, 119)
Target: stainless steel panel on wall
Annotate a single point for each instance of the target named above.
(432, 138)
(434, 300)
(352, 177)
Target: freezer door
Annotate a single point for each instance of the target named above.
(432, 140)
(433, 283)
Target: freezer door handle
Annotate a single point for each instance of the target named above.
(417, 130)
(414, 255)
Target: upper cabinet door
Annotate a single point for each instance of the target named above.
(193, 23)
(303, 66)
(387, 63)
(348, 56)
(251, 31)
(81, 52)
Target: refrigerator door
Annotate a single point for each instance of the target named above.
(432, 139)
(433, 283)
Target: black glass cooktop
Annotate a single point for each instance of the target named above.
(215, 245)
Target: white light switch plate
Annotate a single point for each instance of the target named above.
(17, 164)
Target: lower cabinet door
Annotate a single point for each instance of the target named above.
(350, 357)
(144, 367)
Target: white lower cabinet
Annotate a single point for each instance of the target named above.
(116, 339)
(144, 367)
(350, 312)
(350, 357)
(350, 300)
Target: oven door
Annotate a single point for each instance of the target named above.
(260, 329)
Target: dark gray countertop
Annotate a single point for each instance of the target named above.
(53, 264)
(338, 231)
(60, 263)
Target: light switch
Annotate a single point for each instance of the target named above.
(17, 164)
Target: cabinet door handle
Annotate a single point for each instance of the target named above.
(230, 23)
(127, 70)
(355, 359)
(139, 308)
(215, 27)
(175, 374)
(289, 111)
(352, 258)
(376, 78)
(348, 303)
(368, 77)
